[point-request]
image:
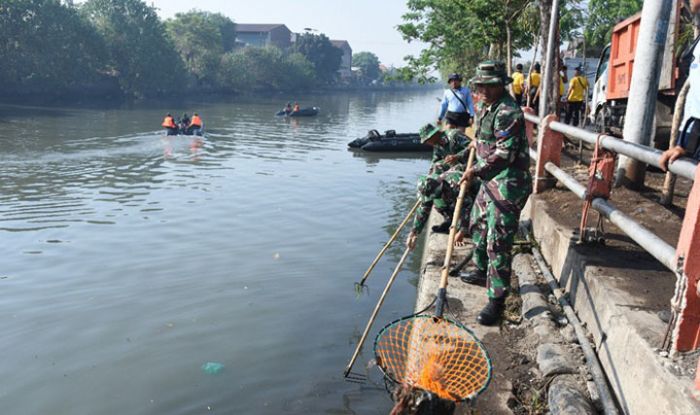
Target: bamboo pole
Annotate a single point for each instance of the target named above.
(388, 243)
(373, 317)
(670, 179)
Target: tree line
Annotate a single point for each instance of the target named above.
(121, 48)
(460, 33)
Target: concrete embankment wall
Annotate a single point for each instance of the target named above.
(617, 294)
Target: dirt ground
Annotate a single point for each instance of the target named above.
(653, 282)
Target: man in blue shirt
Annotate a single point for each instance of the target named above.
(457, 107)
(688, 143)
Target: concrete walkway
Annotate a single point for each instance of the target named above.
(464, 303)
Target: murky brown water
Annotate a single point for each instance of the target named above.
(130, 259)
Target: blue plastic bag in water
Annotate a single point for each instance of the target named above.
(212, 368)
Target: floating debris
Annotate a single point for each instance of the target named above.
(212, 368)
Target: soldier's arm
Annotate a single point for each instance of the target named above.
(463, 154)
(422, 215)
(506, 128)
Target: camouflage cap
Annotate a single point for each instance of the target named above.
(427, 132)
(491, 73)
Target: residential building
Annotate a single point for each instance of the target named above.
(262, 35)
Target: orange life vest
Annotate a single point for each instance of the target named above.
(196, 121)
(169, 122)
(296, 108)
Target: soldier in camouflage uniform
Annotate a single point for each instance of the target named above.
(503, 165)
(440, 187)
(450, 149)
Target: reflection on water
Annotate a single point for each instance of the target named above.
(131, 258)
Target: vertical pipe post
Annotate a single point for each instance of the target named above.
(549, 144)
(550, 65)
(644, 87)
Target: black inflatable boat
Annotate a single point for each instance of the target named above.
(185, 131)
(304, 112)
(389, 141)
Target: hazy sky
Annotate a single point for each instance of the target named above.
(366, 24)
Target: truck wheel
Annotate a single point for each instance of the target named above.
(600, 121)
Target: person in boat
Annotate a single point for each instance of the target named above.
(195, 124)
(503, 166)
(296, 107)
(288, 108)
(184, 122)
(457, 107)
(440, 187)
(169, 124)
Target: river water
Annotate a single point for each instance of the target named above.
(130, 259)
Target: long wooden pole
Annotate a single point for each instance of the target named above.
(389, 242)
(670, 179)
(456, 217)
(376, 311)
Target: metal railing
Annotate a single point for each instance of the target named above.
(683, 167)
(657, 247)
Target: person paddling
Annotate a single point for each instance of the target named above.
(169, 124)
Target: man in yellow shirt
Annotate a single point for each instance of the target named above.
(518, 84)
(533, 86)
(577, 90)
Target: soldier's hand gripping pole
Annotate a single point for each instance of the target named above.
(388, 244)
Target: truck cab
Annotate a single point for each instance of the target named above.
(613, 78)
(597, 115)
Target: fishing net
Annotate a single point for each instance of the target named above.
(436, 355)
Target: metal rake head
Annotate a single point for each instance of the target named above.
(354, 377)
(360, 289)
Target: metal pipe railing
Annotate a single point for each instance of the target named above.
(532, 118)
(683, 167)
(656, 246)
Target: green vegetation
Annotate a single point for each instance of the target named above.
(603, 15)
(264, 69)
(319, 50)
(201, 39)
(121, 48)
(140, 54)
(368, 63)
(46, 46)
(460, 33)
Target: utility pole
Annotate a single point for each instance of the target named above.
(641, 106)
(551, 63)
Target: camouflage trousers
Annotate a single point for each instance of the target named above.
(494, 223)
(440, 191)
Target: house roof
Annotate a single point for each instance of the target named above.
(341, 44)
(258, 27)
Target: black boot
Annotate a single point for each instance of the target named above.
(444, 227)
(474, 277)
(491, 314)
